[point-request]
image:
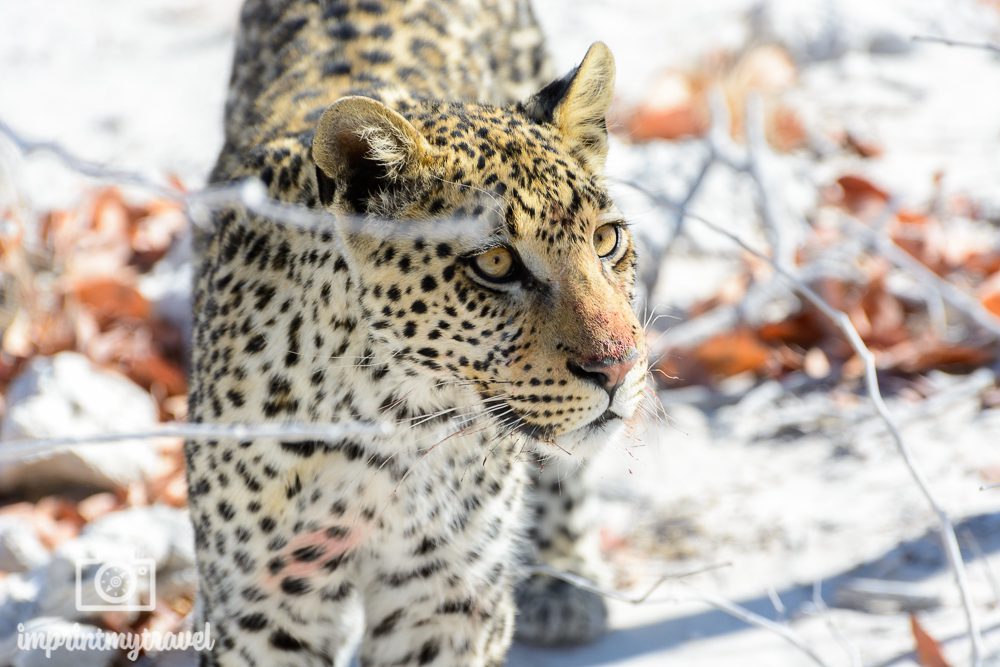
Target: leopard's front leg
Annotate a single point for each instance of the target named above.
(563, 535)
(433, 624)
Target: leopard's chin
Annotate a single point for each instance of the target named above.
(588, 440)
(581, 443)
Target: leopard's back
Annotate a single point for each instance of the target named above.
(295, 57)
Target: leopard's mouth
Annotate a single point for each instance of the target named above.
(514, 421)
(605, 418)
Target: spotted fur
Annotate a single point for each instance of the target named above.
(417, 112)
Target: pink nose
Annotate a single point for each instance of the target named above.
(608, 373)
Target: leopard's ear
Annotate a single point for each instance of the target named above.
(364, 152)
(578, 104)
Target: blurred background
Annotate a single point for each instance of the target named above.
(855, 144)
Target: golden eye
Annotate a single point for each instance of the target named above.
(495, 264)
(606, 240)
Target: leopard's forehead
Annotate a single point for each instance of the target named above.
(546, 196)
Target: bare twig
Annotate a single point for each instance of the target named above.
(843, 323)
(722, 604)
(991, 574)
(758, 153)
(965, 44)
(28, 448)
(251, 194)
(779, 606)
(953, 296)
(86, 167)
(853, 654)
(621, 596)
(750, 618)
(782, 265)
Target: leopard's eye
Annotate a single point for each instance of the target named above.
(607, 238)
(496, 264)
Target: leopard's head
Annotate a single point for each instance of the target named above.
(506, 271)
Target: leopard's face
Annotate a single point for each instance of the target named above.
(518, 291)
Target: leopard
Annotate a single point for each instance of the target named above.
(462, 295)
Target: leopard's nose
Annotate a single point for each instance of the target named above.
(608, 373)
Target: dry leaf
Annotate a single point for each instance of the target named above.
(765, 69)
(884, 316)
(671, 110)
(98, 505)
(991, 302)
(17, 339)
(925, 355)
(785, 129)
(732, 353)
(928, 650)
(862, 147)
(56, 521)
(153, 234)
(859, 195)
(983, 263)
(156, 373)
(111, 298)
(803, 329)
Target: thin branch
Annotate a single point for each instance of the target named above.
(783, 267)
(722, 604)
(977, 551)
(85, 167)
(251, 194)
(843, 323)
(961, 43)
(853, 654)
(750, 618)
(30, 448)
(953, 296)
(758, 153)
(621, 596)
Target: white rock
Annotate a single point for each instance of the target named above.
(168, 286)
(67, 395)
(18, 604)
(53, 630)
(161, 532)
(20, 548)
(153, 544)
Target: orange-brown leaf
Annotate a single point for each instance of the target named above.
(672, 109)
(802, 329)
(732, 353)
(111, 298)
(152, 369)
(785, 129)
(97, 505)
(863, 147)
(17, 340)
(991, 302)
(923, 356)
(928, 650)
(858, 194)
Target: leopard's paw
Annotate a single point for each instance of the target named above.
(552, 612)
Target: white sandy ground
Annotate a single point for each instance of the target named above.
(141, 85)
